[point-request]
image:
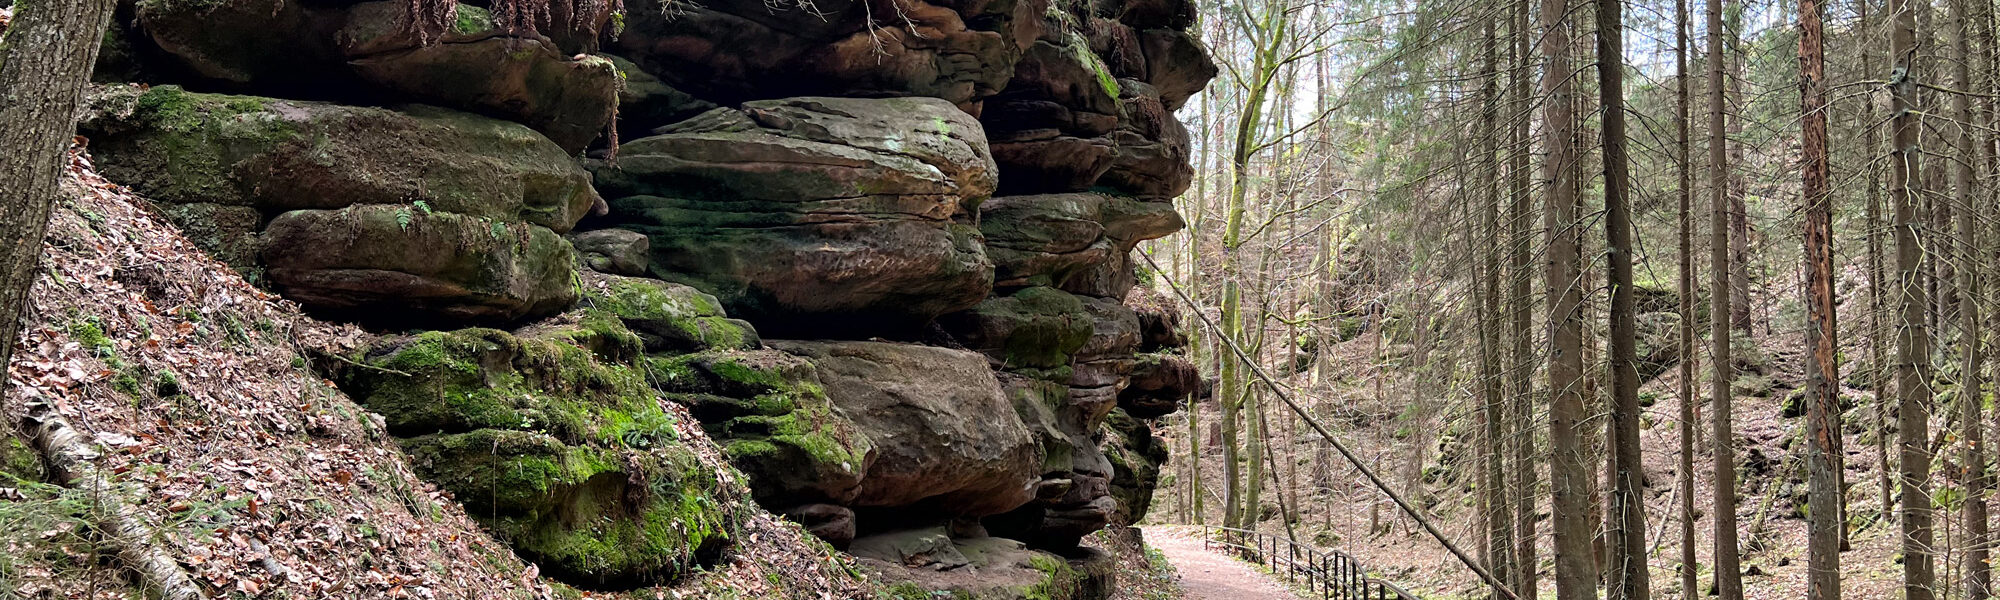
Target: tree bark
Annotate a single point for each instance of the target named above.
(1570, 472)
(1689, 567)
(1520, 398)
(1626, 523)
(1728, 564)
(45, 60)
(1913, 377)
(1824, 459)
(1878, 278)
(1977, 574)
(1493, 498)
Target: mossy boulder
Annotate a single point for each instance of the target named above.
(553, 438)
(772, 417)
(552, 382)
(1007, 569)
(669, 317)
(1658, 343)
(388, 264)
(1037, 327)
(273, 155)
(593, 516)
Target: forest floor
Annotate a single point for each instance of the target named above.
(1415, 433)
(1210, 575)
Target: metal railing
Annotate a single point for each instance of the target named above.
(1329, 573)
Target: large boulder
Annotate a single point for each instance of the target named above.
(279, 43)
(1034, 328)
(1072, 496)
(830, 216)
(479, 67)
(1151, 159)
(774, 420)
(929, 563)
(555, 442)
(1136, 457)
(946, 439)
(1158, 384)
(668, 317)
(1050, 127)
(371, 51)
(398, 264)
(1073, 241)
(273, 155)
(736, 50)
(1177, 64)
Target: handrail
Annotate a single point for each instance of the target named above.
(1330, 573)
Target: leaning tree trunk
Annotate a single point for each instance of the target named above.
(45, 60)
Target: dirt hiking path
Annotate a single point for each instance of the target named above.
(1211, 575)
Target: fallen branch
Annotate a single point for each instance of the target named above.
(69, 458)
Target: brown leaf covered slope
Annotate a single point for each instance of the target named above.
(259, 477)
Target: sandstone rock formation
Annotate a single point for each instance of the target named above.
(879, 251)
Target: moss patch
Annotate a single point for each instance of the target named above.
(670, 317)
(594, 516)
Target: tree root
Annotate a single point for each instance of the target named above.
(69, 456)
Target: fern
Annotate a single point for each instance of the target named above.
(403, 218)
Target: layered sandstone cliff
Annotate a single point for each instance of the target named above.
(881, 250)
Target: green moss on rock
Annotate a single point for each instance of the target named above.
(774, 422)
(591, 515)
(552, 383)
(670, 317)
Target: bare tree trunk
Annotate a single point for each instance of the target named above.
(1626, 523)
(45, 60)
(1570, 471)
(1493, 498)
(1728, 564)
(1878, 278)
(1689, 568)
(1739, 210)
(1913, 351)
(1977, 573)
(1824, 459)
(1520, 403)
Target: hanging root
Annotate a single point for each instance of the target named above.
(430, 19)
(69, 457)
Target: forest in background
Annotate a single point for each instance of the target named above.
(1489, 262)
